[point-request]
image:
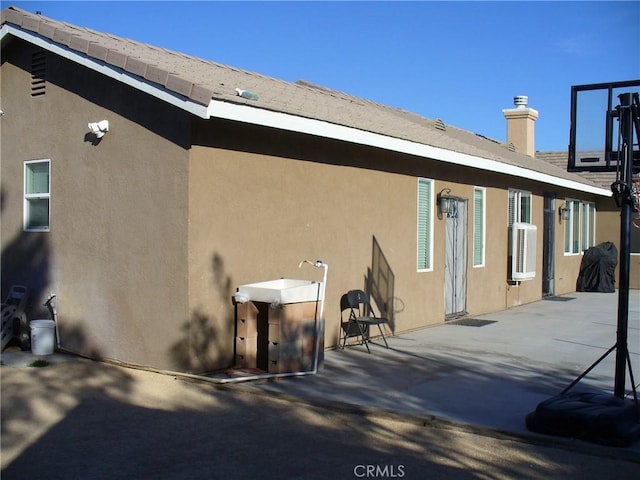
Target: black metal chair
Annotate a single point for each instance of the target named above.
(360, 318)
(349, 328)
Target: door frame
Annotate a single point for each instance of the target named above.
(548, 244)
(456, 266)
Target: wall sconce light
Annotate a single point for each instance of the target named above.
(446, 204)
(563, 212)
(99, 128)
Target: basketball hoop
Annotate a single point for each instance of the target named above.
(581, 414)
(595, 134)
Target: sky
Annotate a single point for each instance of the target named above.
(462, 62)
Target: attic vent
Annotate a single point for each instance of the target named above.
(38, 73)
(439, 125)
(511, 147)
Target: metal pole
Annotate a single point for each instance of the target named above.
(623, 303)
(626, 129)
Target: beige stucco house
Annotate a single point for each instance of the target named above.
(145, 230)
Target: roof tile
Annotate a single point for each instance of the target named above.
(157, 75)
(31, 23)
(201, 94)
(136, 66)
(116, 58)
(79, 43)
(12, 15)
(561, 159)
(46, 29)
(61, 36)
(179, 85)
(97, 51)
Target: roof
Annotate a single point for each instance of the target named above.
(208, 89)
(560, 159)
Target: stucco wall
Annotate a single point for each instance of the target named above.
(150, 236)
(567, 266)
(608, 230)
(116, 253)
(267, 200)
(260, 215)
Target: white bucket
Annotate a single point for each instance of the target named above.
(42, 336)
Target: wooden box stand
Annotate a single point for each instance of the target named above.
(277, 340)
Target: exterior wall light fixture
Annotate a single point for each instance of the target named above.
(446, 203)
(563, 212)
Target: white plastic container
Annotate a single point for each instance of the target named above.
(42, 336)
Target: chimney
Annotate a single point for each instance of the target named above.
(520, 125)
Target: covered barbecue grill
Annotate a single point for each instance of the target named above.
(597, 270)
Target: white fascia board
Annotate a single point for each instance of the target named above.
(106, 69)
(248, 114)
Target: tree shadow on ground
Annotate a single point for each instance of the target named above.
(34, 399)
(451, 384)
(98, 421)
(126, 424)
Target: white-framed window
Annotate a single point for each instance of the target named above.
(589, 225)
(479, 222)
(572, 227)
(425, 225)
(37, 195)
(519, 206)
(579, 226)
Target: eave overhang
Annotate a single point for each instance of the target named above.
(258, 116)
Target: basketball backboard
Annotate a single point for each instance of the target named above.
(594, 138)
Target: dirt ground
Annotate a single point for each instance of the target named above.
(87, 420)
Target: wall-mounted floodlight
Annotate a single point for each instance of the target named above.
(99, 128)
